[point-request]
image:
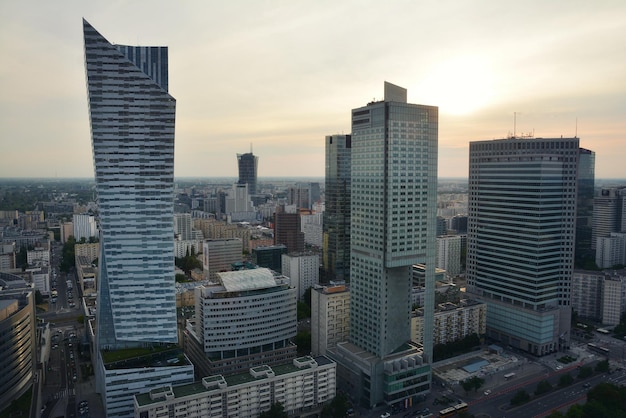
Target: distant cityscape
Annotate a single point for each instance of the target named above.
(378, 289)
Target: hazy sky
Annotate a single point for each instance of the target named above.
(281, 75)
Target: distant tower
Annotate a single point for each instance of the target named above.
(248, 164)
(336, 239)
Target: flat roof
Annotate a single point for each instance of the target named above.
(237, 281)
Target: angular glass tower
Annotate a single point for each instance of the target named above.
(336, 254)
(520, 238)
(392, 227)
(132, 132)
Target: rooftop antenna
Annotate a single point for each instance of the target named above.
(576, 131)
(514, 124)
(250, 147)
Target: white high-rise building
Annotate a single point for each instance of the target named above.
(330, 317)
(302, 269)
(183, 227)
(393, 212)
(220, 254)
(84, 226)
(449, 254)
(611, 251)
(132, 132)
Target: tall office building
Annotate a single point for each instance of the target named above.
(520, 238)
(336, 225)
(288, 230)
(132, 133)
(393, 212)
(248, 164)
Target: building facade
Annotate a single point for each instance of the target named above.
(392, 227)
(288, 231)
(132, 132)
(449, 254)
(609, 213)
(611, 250)
(17, 345)
(246, 320)
(220, 254)
(84, 226)
(336, 225)
(453, 322)
(248, 165)
(302, 387)
(330, 317)
(520, 238)
(303, 269)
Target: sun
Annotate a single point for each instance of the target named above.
(459, 85)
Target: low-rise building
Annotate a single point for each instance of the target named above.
(301, 386)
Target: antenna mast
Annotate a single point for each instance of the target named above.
(514, 124)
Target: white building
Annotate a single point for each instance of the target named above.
(84, 226)
(312, 227)
(302, 269)
(301, 386)
(449, 254)
(611, 251)
(613, 297)
(183, 226)
(330, 317)
(38, 256)
(452, 322)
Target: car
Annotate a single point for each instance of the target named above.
(487, 392)
(587, 385)
(83, 404)
(385, 415)
(559, 367)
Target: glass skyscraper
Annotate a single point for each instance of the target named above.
(392, 227)
(520, 238)
(132, 132)
(336, 225)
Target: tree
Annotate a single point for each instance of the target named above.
(566, 380)
(337, 408)
(38, 298)
(473, 382)
(543, 387)
(303, 341)
(585, 372)
(304, 311)
(276, 411)
(602, 366)
(521, 397)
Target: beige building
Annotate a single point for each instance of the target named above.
(91, 251)
(304, 385)
(330, 317)
(212, 229)
(452, 321)
(219, 254)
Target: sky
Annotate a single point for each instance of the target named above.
(278, 76)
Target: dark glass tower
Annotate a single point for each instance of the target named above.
(336, 244)
(248, 164)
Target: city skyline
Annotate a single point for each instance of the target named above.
(280, 75)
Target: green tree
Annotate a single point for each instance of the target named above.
(543, 387)
(566, 380)
(67, 254)
(277, 410)
(337, 408)
(602, 366)
(473, 383)
(303, 341)
(521, 397)
(585, 372)
(304, 311)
